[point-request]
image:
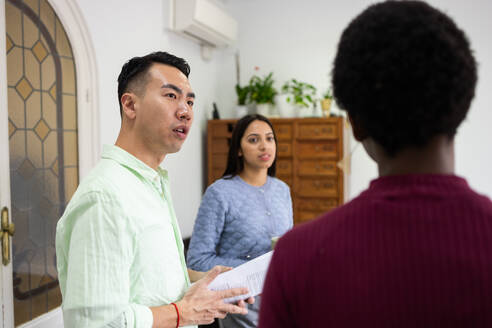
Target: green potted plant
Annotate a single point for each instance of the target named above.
(301, 95)
(262, 93)
(243, 98)
(326, 102)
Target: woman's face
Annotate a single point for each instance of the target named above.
(258, 147)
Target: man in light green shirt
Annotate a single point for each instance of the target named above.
(119, 249)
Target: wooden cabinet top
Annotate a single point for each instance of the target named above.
(286, 120)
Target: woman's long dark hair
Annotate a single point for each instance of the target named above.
(235, 163)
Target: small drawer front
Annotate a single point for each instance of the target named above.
(305, 216)
(283, 131)
(217, 174)
(284, 149)
(318, 167)
(320, 149)
(319, 205)
(222, 130)
(220, 161)
(318, 131)
(220, 146)
(284, 167)
(327, 187)
(287, 179)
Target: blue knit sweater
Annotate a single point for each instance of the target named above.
(236, 222)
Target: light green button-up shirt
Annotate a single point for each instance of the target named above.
(118, 246)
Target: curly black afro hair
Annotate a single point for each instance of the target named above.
(404, 72)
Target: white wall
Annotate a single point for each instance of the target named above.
(298, 39)
(121, 30)
(293, 39)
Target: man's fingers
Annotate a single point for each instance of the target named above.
(250, 300)
(211, 275)
(231, 308)
(221, 315)
(232, 292)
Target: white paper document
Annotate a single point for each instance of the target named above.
(250, 275)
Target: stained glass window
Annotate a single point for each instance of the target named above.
(42, 95)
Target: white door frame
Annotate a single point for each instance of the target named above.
(87, 86)
(88, 133)
(5, 271)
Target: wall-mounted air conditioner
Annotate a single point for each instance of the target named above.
(205, 21)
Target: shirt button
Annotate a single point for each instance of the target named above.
(268, 213)
(261, 190)
(248, 257)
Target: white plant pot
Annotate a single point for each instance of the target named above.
(304, 111)
(263, 109)
(285, 109)
(241, 110)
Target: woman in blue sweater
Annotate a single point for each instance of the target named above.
(241, 212)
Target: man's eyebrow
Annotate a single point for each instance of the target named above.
(172, 86)
(178, 90)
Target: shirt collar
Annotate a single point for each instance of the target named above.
(131, 162)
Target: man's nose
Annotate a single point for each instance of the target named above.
(183, 112)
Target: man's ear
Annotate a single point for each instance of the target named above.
(359, 132)
(128, 105)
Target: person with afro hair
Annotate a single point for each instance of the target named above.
(415, 248)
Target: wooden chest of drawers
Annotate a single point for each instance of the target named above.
(308, 151)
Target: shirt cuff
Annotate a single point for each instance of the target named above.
(140, 316)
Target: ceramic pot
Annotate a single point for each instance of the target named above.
(325, 106)
(285, 109)
(241, 110)
(263, 109)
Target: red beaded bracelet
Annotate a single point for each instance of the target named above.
(177, 312)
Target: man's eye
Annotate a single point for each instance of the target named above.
(190, 103)
(171, 95)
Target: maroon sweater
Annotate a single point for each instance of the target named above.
(411, 251)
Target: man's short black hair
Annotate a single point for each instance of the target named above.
(133, 74)
(405, 73)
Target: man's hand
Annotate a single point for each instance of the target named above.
(201, 305)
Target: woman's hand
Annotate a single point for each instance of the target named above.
(197, 275)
